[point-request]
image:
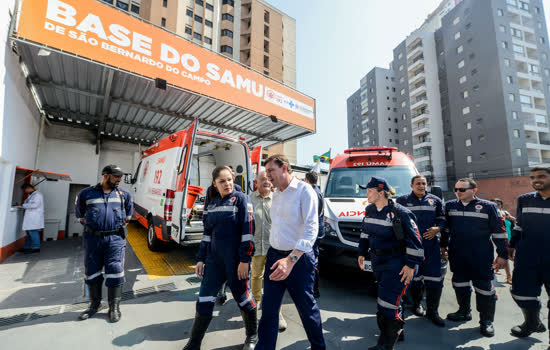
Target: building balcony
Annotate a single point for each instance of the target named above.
(420, 115)
(534, 109)
(526, 59)
(543, 145)
(519, 11)
(420, 130)
(531, 92)
(365, 130)
(417, 91)
(415, 51)
(530, 44)
(523, 28)
(416, 78)
(415, 65)
(424, 143)
(529, 75)
(419, 104)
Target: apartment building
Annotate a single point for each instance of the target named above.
(355, 135)
(495, 80)
(251, 32)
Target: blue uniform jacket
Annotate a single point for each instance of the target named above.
(533, 224)
(228, 222)
(469, 229)
(321, 233)
(377, 233)
(428, 211)
(104, 211)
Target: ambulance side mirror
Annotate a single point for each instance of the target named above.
(128, 179)
(436, 191)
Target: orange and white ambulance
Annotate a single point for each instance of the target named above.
(170, 182)
(345, 201)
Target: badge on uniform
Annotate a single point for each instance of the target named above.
(479, 207)
(431, 201)
(232, 199)
(249, 207)
(413, 224)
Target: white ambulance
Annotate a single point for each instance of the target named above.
(170, 183)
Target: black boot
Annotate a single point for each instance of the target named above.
(417, 292)
(95, 301)
(250, 319)
(532, 324)
(486, 307)
(389, 332)
(200, 325)
(464, 312)
(114, 294)
(433, 295)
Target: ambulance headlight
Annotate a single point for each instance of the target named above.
(330, 227)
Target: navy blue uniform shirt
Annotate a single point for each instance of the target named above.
(533, 223)
(104, 211)
(428, 210)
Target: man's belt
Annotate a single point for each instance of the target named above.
(282, 252)
(103, 233)
(386, 252)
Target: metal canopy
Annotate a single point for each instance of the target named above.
(114, 104)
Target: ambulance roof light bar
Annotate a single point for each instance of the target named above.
(379, 150)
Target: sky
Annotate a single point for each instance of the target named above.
(337, 43)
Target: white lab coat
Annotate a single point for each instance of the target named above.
(34, 212)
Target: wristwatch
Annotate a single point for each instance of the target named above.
(293, 257)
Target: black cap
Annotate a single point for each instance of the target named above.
(377, 182)
(112, 169)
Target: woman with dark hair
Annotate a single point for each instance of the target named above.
(224, 255)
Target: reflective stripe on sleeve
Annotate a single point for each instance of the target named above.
(114, 275)
(524, 298)
(415, 252)
(534, 210)
(225, 208)
(245, 238)
(485, 292)
(387, 305)
(207, 299)
(378, 222)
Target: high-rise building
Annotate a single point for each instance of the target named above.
(251, 32)
(472, 85)
(355, 136)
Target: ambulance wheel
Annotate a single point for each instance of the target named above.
(154, 244)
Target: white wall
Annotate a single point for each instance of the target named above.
(19, 125)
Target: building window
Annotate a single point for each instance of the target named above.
(457, 35)
(456, 20)
(516, 33)
(475, 88)
(163, 22)
(518, 49)
(468, 159)
(266, 62)
(402, 79)
(400, 67)
(542, 40)
(512, 97)
(199, 2)
(509, 79)
(403, 104)
(207, 23)
(518, 152)
(500, 13)
(525, 100)
(228, 2)
(164, 3)
(198, 18)
(227, 17)
(544, 56)
(266, 31)
(189, 12)
(400, 56)
(461, 64)
(547, 72)
(459, 49)
(464, 94)
(474, 71)
(404, 116)
(465, 110)
(122, 5)
(402, 91)
(225, 48)
(468, 126)
(481, 138)
(468, 142)
(516, 133)
(534, 69)
(472, 56)
(197, 36)
(462, 79)
(227, 32)
(188, 30)
(209, 7)
(266, 16)
(507, 62)
(537, 10)
(512, 3)
(404, 129)
(504, 44)
(524, 6)
(207, 40)
(515, 115)
(135, 9)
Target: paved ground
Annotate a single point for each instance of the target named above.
(41, 297)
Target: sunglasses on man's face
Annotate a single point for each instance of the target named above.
(462, 189)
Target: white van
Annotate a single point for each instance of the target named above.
(170, 183)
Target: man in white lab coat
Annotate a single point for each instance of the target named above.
(33, 221)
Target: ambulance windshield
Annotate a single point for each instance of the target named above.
(344, 182)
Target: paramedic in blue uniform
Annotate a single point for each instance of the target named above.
(471, 224)
(224, 255)
(104, 210)
(530, 244)
(391, 241)
(430, 218)
(311, 178)
(290, 263)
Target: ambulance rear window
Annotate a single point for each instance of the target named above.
(344, 182)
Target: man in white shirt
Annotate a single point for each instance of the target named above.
(290, 263)
(33, 221)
